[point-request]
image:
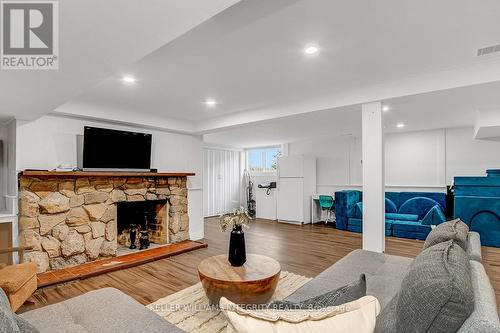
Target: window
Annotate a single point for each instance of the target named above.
(263, 159)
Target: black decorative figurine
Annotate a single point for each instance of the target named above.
(144, 240)
(133, 235)
(237, 251)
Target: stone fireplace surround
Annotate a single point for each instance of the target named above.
(70, 218)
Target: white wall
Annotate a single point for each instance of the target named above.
(3, 165)
(468, 157)
(8, 180)
(265, 204)
(414, 161)
(10, 188)
(50, 141)
(338, 161)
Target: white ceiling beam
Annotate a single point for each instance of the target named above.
(449, 79)
(487, 125)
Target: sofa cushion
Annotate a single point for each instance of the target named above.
(356, 225)
(103, 310)
(344, 294)
(439, 197)
(352, 197)
(410, 226)
(410, 234)
(417, 206)
(410, 229)
(454, 230)
(484, 318)
(344, 206)
(474, 246)
(358, 210)
(401, 217)
(436, 293)
(434, 216)
(390, 206)
(383, 276)
(8, 322)
(357, 316)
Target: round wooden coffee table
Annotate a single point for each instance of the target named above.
(252, 283)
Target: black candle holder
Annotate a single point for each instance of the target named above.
(133, 236)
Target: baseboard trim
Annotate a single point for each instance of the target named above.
(196, 235)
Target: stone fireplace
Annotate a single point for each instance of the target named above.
(70, 218)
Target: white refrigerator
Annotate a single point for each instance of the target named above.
(295, 187)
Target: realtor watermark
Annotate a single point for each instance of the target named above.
(29, 34)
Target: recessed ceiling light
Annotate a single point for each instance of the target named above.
(385, 108)
(400, 125)
(128, 79)
(311, 49)
(210, 102)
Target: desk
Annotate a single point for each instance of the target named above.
(316, 215)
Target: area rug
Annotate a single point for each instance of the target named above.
(189, 309)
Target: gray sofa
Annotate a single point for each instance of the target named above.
(384, 274)
(104, 310)
(109, 310)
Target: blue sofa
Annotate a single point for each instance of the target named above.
(404, 212)
(477, 203)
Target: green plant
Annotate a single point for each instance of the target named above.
(238, 217)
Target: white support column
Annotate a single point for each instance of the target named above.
(373, 178)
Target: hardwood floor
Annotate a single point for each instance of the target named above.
(305, 250)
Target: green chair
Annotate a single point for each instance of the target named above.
(326, 203)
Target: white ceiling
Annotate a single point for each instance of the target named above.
(249, 58)
(97, 39)
(417, 56)
(443, 109)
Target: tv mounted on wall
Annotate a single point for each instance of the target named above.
(106, 149)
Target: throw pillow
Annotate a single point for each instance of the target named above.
(454, 230)
(358, 316)
(345, 294)
(390, 206)
(434, 216)
(436, 293)
(358, 210)
(8, 322)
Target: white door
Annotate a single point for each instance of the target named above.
(221, 181)
(290, 199)
(291, 166)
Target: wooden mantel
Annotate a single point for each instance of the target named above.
(79, 174)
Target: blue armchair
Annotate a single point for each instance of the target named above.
(406, 213)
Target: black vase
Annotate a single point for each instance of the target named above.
(237, 251)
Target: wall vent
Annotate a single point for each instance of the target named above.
(488, 50)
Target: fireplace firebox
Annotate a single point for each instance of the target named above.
(151, 216)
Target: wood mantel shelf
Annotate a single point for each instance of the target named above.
(79, 174)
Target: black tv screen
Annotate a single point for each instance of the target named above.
(112, 149)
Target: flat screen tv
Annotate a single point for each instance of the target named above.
(106, 149)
